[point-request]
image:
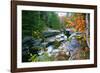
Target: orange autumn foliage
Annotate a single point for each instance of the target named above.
(78, 23)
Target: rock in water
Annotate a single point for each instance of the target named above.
(73, 45)
(61, 55)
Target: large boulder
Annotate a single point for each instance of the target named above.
(30, 46)
(75, 45)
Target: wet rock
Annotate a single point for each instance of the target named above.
(61, 55)
(81, 54)
(29, 46)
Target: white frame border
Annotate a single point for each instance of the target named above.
(55, 63)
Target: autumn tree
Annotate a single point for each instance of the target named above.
(80, 23)
(76, 21)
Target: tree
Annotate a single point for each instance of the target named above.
(76, 21)
(32, 23)
(53, 20)
(35, 22)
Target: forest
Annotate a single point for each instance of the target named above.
(55, 36)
